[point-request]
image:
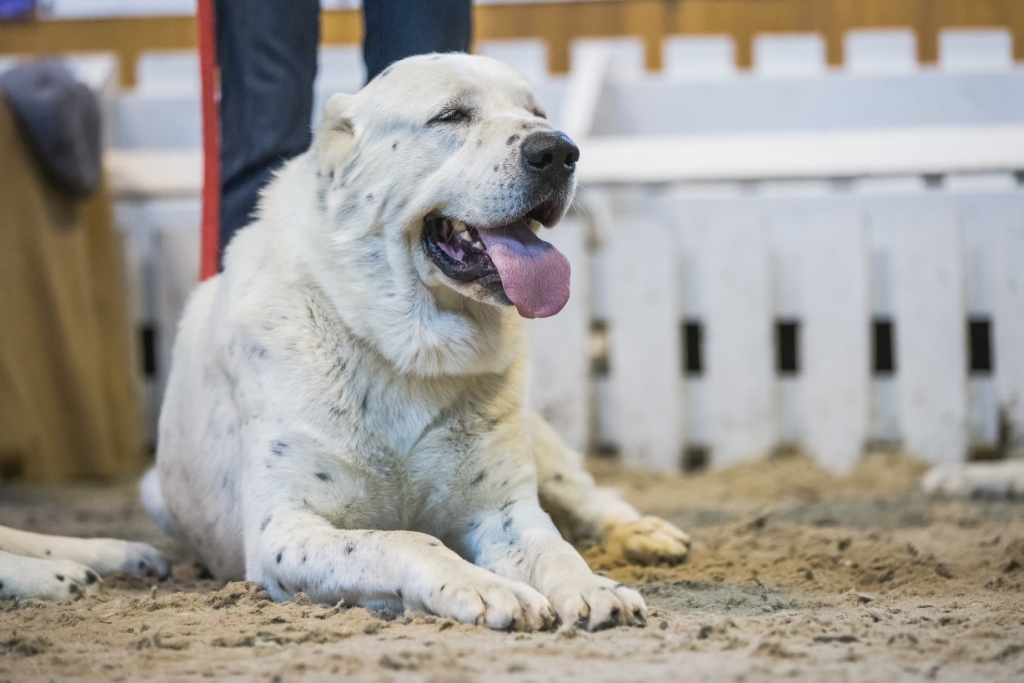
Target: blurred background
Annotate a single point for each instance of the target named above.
(800, 227)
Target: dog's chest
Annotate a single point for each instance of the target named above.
(362, 444)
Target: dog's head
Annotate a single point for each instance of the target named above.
(433, 182)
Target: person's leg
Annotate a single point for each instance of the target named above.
(396, 29)
(267, 52)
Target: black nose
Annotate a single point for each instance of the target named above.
(550, 155)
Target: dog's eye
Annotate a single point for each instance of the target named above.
(454, 115)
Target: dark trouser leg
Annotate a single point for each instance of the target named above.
(267, 51)
(396, 29)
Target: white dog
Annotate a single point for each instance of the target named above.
(344, 413)
(345, 409)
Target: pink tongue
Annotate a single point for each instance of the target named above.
(534, 274)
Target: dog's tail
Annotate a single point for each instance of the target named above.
(153, 501)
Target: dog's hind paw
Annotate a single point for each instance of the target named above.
(106, 555)
(142, 559)
(647, 541)
(56, 580)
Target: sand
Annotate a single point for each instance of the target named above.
(795, 574)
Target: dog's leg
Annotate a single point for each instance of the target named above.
(520, 542)
(582, 509)
(30, 577)
(103, 555)
(291, 550)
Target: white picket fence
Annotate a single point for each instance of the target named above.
(831, 259)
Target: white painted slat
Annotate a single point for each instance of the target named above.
(789, 397)
(597, 206)
(787, 280)
(699, 58)
(694, 401)
(880, 52)
(885, 428)
(966, 50)
(558, 345)
(928, 288)
(811, 154)
(1008, 296)
(981, 220)
(884, 420)
(591, 63)
(835, 340)
(628, 55)
(644, 329)
(695, 412)
(735, 257)
(791, 55)
(982, 412)
(529, 56)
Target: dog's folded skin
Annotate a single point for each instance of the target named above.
(345, 410)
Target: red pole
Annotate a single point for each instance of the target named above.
(211, 141)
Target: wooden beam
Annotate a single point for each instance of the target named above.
(560, 23)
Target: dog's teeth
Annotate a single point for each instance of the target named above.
(466, 237)
(477, 245)
(535, 225)
(459, 226)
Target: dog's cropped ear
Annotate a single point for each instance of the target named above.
(337, 135)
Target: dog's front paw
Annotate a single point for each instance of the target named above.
(647, 541)
(594, 603)
(489, 600)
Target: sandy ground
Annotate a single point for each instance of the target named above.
(794, 574)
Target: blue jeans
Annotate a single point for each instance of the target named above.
(267, 51)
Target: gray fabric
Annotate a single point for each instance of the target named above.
(59, 118)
